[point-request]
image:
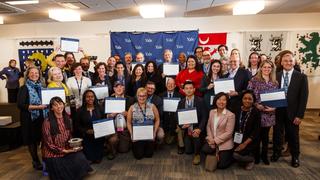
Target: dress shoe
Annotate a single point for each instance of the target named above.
(196, 159)
(180, 150)
(37, 165)
(265, 160)
(275, 157)
(295, 162)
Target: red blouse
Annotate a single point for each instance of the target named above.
(194, 76)
(52, 146)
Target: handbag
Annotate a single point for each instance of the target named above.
(211, 161)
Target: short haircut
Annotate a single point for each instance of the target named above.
(74, 66)
(188, 82)
(223, 45)
(57, 56)
(248, 91)
(150, 83)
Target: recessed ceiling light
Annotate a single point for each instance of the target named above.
(1, 20)
(22, 2)
(152, 11)
(64, 15)
(248, 7)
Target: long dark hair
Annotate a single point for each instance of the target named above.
(219, 95)
(54, 130)
(208, 78)
(143, 75)
(125, 72)
(198, 67)
(84, 103)
(259, 60)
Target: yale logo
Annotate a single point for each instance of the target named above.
(118, 47)
(148, 40)
(158, 47)
(138, 47)
(127, 40)
(179, 46)
(148, 54)
(169, 39)
(190, 39)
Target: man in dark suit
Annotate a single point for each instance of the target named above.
(289, 118)
(189, 134)
(85, 64)
(170, 118)
(241, 79)
(157, 101)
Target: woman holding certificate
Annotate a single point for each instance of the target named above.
(265, 80)
(246, 137)
(143, 122)
(154, 75)
(219, 140)
(100, 77)
(55, 78)
(31, 113)
(62, 161)
(138, 79)
(207, 83)
(193, 72)
(88, 112)
(121, 74)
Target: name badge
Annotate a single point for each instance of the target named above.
(238, 138)
(211, 100)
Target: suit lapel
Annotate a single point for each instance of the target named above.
(293, 79)
(221, 119)
(279, 75)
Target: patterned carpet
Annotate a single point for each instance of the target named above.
(167, 164)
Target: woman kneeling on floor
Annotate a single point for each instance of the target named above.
(62, 162)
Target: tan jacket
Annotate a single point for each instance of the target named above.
(225, 127)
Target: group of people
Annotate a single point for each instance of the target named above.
(234, 126)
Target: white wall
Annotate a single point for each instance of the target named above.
(94, 36)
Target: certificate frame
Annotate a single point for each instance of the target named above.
(45, 97)
(168, 109)
(69, 44)
(145, 126)
(100, 95)
(107, 122)
(274, 98)
(224, 85)
(170, 69)
(115, 104)
(192, 119)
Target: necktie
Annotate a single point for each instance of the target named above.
(286, 82)
(170, 95)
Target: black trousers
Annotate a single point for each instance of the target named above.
(142, 149)
(12, 95)
(225, 156)
(283, 123)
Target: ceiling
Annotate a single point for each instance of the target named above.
(99, 10)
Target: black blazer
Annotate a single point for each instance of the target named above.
(170, 118)
(297, 95)
(252, 128)
(84, 120)
(201, 112)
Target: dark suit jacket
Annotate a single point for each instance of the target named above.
(297, 95)
(201, 112)
(157, 101)
(170, 120)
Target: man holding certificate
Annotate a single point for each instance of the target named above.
(143, 122)
(289, 118)
(189, 133)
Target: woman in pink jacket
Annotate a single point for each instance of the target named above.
(220, 131)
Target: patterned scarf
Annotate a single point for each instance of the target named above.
(34, 89)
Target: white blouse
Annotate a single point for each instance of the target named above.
(78, 87)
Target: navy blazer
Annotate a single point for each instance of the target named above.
(297, 95)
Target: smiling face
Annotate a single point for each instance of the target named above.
(266, 69)
(78, 71)
(222, 51)
(101, 70)
(128, 58)
(215, 68)
(150, 68)
(182, 58)
(189, 89)
(89, 98)
(151, 88)
(142, 97)
(57, 75)
(171, 84)
(138, 71)
(221, 102)
(119, 90)
(234, 62)
(254, 59)
(60, 62)
(191, 63)
(247, 100)
(33, 74)
(57, 107)
(70, 60)
(287, 62)
(120, 69)
(167, 56)
(111, 62)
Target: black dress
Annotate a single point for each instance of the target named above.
(92, 148)
(31, 130)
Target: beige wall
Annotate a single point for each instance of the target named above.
(94, 36)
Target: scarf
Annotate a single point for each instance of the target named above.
(34, 89)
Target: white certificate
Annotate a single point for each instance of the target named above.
(142, 132)
(170, 69)
(276, 98)
(187, 116)
(48, 93)
(223, 85)
(115, 105)
(69, 45)
(170, 104)
(103, 127)
(135, 63)
(100, 91)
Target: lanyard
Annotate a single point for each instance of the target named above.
(143, 112)
(79, 86)
(243, 124)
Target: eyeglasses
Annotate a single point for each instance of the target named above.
(142, 96)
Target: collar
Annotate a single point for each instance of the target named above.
(289, 72)
(224, 112)
(233, 71)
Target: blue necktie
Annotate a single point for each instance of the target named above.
(286, 82)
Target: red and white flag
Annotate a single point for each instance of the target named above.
(211, 41)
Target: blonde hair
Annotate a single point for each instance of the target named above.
(272, 75)
(50, 74)
(141, 90)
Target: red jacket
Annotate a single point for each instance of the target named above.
(194, 76)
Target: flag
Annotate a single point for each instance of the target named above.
(211, 41)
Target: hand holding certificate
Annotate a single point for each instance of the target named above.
(275, 98)
(48, 93)
(100, 91)
(224, 85)
(170, 69)
(170, 104)
(187, 116)
(142, 131)
(103, 127)
(115, 105)
(69, 45)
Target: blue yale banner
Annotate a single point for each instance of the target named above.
(152, 45)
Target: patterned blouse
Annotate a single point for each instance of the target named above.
(268, 119)
(52, 146)
(138, 115)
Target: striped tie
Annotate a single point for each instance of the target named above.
(286, 82)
